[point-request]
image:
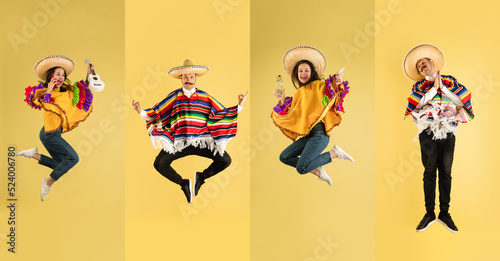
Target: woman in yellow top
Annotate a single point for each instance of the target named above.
(65, 106)
(309, 116)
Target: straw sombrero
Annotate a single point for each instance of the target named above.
(418, 52)
(43, 65)
(188, 68)
(296, 54)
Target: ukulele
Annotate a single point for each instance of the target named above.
(95, 83)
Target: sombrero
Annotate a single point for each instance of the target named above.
(188, 68)
(296, 54)
(43, 65)
(418, 52)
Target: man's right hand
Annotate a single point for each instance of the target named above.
(136, 106)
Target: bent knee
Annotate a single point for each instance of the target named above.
(283, 158)
(302, 169)
(157, 164)
(226, 160)
(72, 160)
(76, 159)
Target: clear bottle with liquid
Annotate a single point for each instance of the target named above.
(279, 86)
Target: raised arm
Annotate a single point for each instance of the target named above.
(141, 112)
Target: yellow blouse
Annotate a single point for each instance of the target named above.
(63, 109)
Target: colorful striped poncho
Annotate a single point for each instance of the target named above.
(62, 109)
(439, 115)
(315, 102)
(199, 121)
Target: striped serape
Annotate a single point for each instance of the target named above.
(440, 115)
(199, 121)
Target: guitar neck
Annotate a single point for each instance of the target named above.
(92, 70)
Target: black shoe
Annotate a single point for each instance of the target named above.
(188, 191)
(197, 182)
(446, 220)
(428, 220)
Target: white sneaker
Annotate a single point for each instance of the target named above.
(28, 153)
(342, 154)
(323, 176)
(45, 189)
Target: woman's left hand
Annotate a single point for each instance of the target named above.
(89, 68)
(338, 78)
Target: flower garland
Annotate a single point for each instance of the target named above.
(340, 106)
(82, 96)
(30, 94)
(329, 92)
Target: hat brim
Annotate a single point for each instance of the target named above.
(418, 52)
(199, 70)
(299, 53)
(43, 65)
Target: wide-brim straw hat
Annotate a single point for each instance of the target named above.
(418, 52)
(309, 53)
(187, 68)
(43, 65)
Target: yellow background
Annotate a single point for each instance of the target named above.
(258, 208)
(463, 32)
(160, 224)
(83, 215)
(294, 215)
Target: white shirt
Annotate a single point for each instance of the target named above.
(187, 92)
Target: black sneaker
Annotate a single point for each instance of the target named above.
(446, 220)
(188, 191)
(197, 182)
(428, 220)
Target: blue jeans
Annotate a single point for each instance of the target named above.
(309, 149)
(64, 157)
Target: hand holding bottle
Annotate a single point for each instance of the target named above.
(279, 89)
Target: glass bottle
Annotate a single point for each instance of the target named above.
(279, 86)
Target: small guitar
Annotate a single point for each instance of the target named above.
(95, 83)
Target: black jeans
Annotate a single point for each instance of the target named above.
(437, 155)
(165, 159)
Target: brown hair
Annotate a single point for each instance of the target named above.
(66, 84)
(295, 72)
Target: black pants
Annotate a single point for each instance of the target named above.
(165, 159)
(437, 155)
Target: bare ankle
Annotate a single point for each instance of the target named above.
(315, 172)
(36, 156)
(50, 182)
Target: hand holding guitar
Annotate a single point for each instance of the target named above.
(95, 83)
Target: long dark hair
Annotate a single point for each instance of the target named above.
(66, 84)
(295, 72)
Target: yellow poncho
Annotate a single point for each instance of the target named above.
(315, 102)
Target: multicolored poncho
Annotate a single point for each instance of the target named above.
(62, 109)
(439, 115)
(199, 121)
(315, 102)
